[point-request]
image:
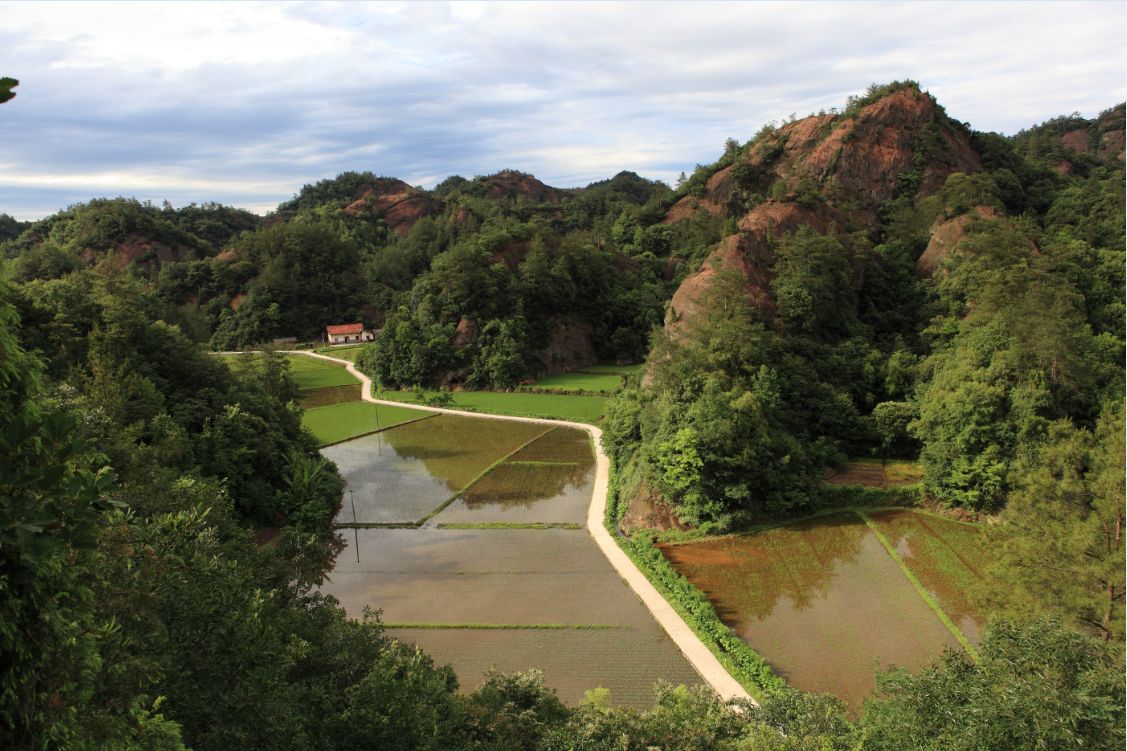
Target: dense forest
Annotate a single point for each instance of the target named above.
(880, 280)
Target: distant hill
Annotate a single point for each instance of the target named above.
(586, 272)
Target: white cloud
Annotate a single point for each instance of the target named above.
(244, 102)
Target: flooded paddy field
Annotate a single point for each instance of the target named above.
(403, 474)
(574, 661)
(549, 480)
(821, 600)
(947, 557)
(511, 598)
(499, 576)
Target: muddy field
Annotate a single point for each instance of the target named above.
(510, 598)
(947, 557)
(550, 480)
(821, 600)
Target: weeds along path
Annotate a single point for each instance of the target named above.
(698, 655)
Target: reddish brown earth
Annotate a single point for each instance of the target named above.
(396, 202)
(856, 473)
(648, 510)
(237, 300)
(687, 208)
(465, 333)
(729, 256)
(748, 254)
(1112, 144)
(1076, 140)
(512, 185)
(512, 254)
(859, 159)
(864, 155)
(946, 234)
(148, 254)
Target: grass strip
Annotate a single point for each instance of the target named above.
(375, 525)
(510, 525)
(483, 473)
(545, 464)
(746, 665)
(556, 406)
(506, 626)
(373, 432)
(931, 603)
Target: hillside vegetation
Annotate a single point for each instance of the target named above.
(881, 280)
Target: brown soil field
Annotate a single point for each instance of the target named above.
(821, 600)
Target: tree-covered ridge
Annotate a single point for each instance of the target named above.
(973, 319)
(164, 518)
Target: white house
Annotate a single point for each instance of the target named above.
(348, 333)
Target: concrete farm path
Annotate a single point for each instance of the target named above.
(698, 655)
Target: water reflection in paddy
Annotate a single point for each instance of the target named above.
(529, 577)
(549, 480)
(402, 474)
(821, 600)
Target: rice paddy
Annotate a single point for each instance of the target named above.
(515, 582)
(580, 382)
(312, 373)
(549, 480)
(874, 473)
(827, 605)
(563, 406)
(329, 395)
(535, 598)
(947, 557)
(340, 422)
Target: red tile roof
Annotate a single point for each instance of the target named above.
(345, 328)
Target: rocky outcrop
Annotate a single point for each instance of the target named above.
(946, 234)
(147, 254)
(396, 202)
(1076, 140)
(1112, 144)
(859, 158)
(747, 255)
(465, 334)
(832, 173)
(570, 346)
(729, 257)
(513, 185)
(687, 208)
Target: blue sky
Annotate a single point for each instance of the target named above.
(243, 103)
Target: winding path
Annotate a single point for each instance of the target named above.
(698, 655)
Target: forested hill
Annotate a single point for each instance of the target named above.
(502, 277)
(892, 283)
(880, 280)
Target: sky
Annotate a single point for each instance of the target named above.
(243, 103)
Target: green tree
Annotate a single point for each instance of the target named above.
(813, 284)
(1036, 685)
(1061, 544)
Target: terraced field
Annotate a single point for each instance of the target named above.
(948, 558)
(345, 420)
(562, 406)
(827, 603)
(549, 480)
(513, 598)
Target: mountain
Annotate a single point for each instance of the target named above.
(584, 273)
